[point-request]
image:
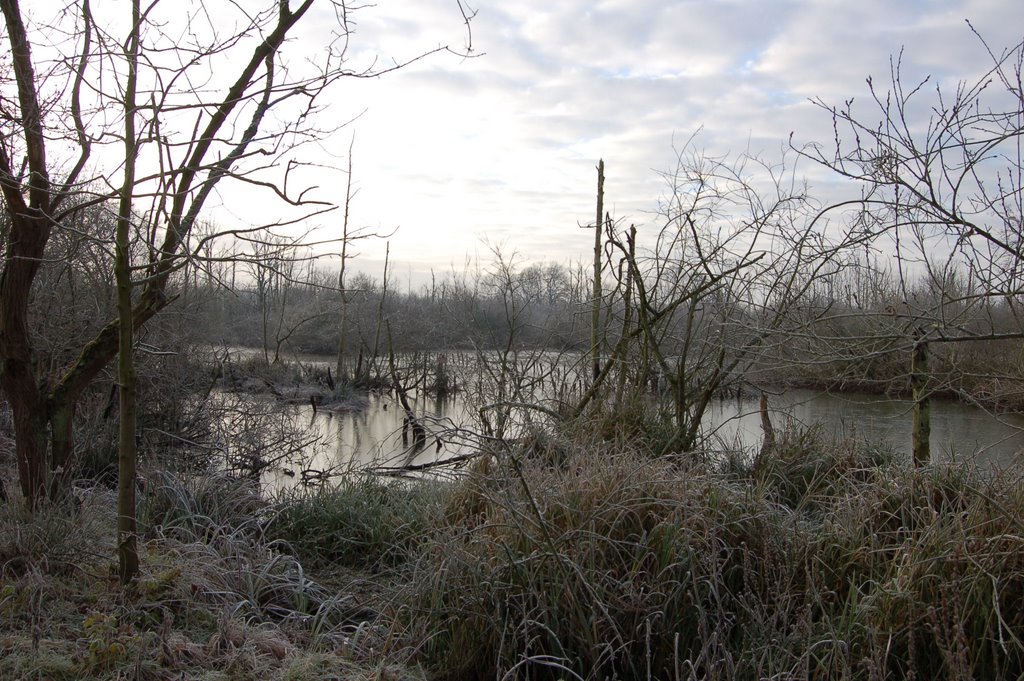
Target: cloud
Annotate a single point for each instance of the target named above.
(504, 145)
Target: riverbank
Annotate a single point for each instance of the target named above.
(993, 381)
(291, 383)
(442, 373)
(575, 558)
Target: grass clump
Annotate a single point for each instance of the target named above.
(806, 470)
(357, 522)
(569, 556)
(216, 598)
(196, 508)
(820, 561)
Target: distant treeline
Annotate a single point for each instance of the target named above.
(851, 330)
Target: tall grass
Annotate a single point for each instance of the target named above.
(197, 508)
(821, 560)
(357, 522)
(568, 556)
(217, 598)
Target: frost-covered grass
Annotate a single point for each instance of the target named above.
(579, 557)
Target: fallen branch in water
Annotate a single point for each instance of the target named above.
(415, 467)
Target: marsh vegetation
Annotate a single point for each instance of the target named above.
(583, 517)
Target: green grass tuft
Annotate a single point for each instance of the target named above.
(357, 522)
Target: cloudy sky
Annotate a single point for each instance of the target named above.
(502, 148)
(455, 155)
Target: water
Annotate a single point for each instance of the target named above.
(958, 431)
(372, 438)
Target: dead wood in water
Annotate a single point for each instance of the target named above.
(419, 433)
(399, 471)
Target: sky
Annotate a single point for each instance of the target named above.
(461, 155)
(454, 156)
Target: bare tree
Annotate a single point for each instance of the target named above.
(192, 102)
(127, 550)
(940, 174)
(737, 252)
(947, 166)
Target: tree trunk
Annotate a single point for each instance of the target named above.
(627, 318)
(29, 415)
(921, 438)
(339, 368)
(127, 548)
(595, 321)
(28, 236)
(380, 306)
(62, 443)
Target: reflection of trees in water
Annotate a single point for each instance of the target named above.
(371, 439)
(958, 430)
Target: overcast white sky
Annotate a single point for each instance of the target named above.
(503, 147)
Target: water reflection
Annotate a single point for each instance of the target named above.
(372, 438)
(958, 431)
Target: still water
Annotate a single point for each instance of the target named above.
(372, 438)
(958, 431)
